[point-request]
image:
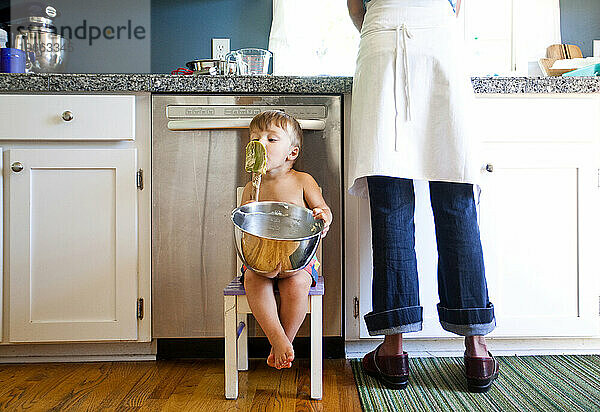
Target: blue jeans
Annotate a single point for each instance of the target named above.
(464, 306)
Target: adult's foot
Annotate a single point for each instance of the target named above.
(476, 346)
(391, 346)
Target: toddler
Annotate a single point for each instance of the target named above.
(282, 136)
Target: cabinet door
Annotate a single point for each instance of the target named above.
(539, 226)
(361, 261)
(538, 221)
(72, 238)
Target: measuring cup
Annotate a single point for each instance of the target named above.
(250, 61)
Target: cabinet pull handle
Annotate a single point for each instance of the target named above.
(16, 167)
(489, 167)
(67, 116)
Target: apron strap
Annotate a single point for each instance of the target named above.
(402, 34)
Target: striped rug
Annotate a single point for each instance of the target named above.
(526, 383)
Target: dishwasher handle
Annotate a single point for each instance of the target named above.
(243, 123)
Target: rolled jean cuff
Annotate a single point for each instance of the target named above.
(468, 321)
(477, 329)
(393, 321)
(413, 327)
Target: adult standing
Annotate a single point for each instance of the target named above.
(409, 106)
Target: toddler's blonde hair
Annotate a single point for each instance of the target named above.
(266, 119)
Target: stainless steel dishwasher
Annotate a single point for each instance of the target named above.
(197, 163)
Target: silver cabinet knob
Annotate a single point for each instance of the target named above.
(67, 116)
(489, 167)
(16, 166)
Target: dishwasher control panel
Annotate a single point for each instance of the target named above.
(235, 111)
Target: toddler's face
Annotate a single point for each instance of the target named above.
(278, 144)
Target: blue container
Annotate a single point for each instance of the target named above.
(12, 60)
(591, 70)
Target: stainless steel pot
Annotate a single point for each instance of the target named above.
(206, 66)
(197, 65)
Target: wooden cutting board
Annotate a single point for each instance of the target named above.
(558, 52)
(546, 64)
(563, 51)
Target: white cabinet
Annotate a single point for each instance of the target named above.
(76, 227)
(539, 224)
(73, 246)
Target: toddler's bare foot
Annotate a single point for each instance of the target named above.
(271, 359)
(283, 353)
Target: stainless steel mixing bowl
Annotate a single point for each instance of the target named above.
(49, 50)
(267, 233)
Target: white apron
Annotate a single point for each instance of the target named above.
(411, 96)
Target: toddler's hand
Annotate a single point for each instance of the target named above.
(319, 213)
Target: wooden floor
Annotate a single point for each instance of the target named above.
(172, 385)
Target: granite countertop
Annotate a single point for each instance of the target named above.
(167, 83)
(157, 83)
(538, 85)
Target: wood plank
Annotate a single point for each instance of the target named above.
(331, 392)
(133, 372)
(11, 376)
(116, 375)
(183, 392)
(206, 392)
(303, 399)
(113, 376)
(346, 387)
(173, 385)
(13, 386)
(41, 382)
(169, 382)
(153, 405)
(145, 386)
(83, 383)
(61, 389)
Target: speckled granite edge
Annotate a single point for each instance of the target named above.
(99, 82)
(173, 83)
(166, 83)
(535, 85)
(23, 82)
(251, 84)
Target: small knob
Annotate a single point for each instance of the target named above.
(16, 167)
(67, 116)
(489, 167)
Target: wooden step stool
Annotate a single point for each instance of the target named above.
(236, 336)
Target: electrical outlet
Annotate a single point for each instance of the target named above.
(220, 47)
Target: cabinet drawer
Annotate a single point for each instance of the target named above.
(67, 117)
(523, 119)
